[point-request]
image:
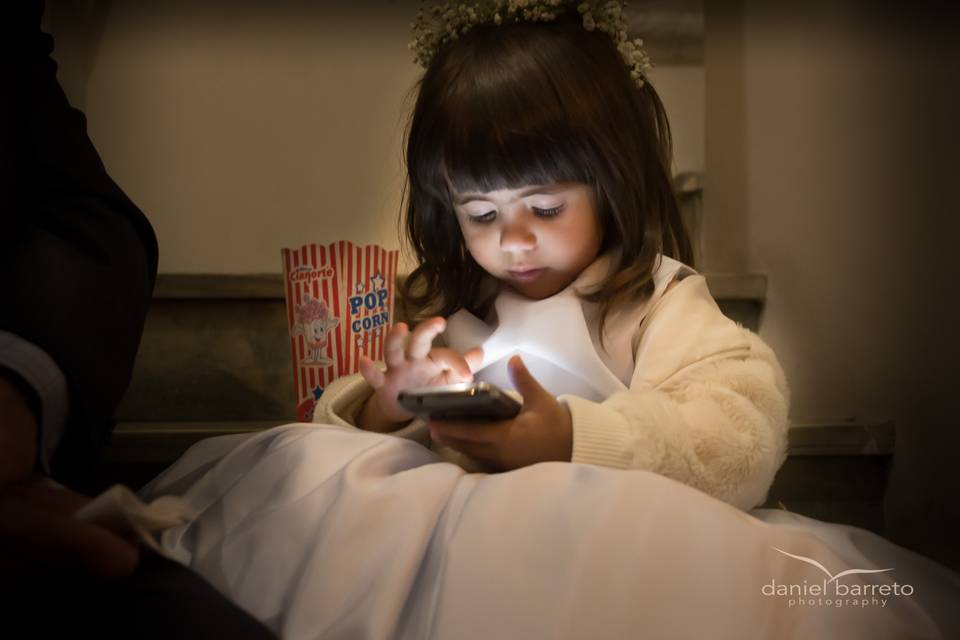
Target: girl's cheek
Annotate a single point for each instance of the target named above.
(476, 233)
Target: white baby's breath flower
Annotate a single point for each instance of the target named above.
(443, 23)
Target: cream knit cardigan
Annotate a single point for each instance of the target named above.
(706, 405)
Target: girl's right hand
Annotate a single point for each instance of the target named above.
(411, 362)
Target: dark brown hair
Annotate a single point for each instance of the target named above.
(537, 103)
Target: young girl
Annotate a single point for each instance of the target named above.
(541, 210)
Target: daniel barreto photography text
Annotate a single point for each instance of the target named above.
(831, 592)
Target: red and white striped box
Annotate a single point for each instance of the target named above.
(339, 306)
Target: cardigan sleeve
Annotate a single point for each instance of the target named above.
(343, 400)
(707, 404)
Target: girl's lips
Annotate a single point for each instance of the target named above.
(527, 275)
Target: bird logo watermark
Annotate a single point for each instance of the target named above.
(831, 592)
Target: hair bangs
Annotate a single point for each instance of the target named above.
(487, 158)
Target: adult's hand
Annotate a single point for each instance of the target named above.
(37, 527)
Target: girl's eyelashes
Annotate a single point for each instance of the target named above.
(483, 218)
(548, 213)
(489, 216)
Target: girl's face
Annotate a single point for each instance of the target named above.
(537, 239)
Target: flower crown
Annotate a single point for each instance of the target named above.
(448, 21)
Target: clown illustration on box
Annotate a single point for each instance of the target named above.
(314, 323)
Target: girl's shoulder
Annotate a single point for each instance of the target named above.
(687, 289)
(666, 276)
(626, 322)
(670, 272)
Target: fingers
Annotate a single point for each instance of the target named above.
(403, 348)
(40, 495)
(474, 358)
(476, 440)
(421, 340)
(454, 366)
(37, 536)
(371, 373)
(395, 345)
(524, 383)
(92, 548)
(457, 367)
(445, 431)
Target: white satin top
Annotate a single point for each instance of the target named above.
(558, 337)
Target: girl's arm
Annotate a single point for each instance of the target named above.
(707, 403)
(343, 401)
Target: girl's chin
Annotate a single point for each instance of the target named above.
(536, 290)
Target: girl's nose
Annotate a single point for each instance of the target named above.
(517, 237)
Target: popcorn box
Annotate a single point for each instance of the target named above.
(339, 307)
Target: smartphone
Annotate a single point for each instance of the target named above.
(462, 401)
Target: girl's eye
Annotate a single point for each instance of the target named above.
(548, 213)
(484, 218)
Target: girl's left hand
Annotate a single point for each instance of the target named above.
(541, 432)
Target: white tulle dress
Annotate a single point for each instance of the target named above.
(327, 532)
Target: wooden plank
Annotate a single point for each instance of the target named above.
(164, 442)
(728, 286)
(843, 439)
(216, 286)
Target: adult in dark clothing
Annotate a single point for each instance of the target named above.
(78, 262)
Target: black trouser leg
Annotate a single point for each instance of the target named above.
(161, 600)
